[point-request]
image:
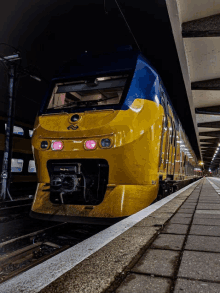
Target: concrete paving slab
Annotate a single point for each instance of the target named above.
(161, 215)
(206, 216)
(175, 229)
(169, 241)
(158, 262)
(188, 206)
(196, 287)
(152, 222)
(213, 212)
(200, 266)
(202, 206)
(191, 200)
(169, 209)
(203, 243)
(187, 211)
(206, 201)
(179, 202)
(205, 230)
(208, 194)
(183, 215)
(135, 283)
(180, 220)
(210, 198)
(206, 222)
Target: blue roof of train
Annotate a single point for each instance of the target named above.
(91, 64)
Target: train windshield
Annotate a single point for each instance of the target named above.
(88, 93)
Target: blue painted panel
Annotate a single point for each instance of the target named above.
(144, 85)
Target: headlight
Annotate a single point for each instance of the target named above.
(106, 143)
(90, 144)
(57, 145)
(44, 144)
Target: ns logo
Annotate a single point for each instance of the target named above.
(72, 127)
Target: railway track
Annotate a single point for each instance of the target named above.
(24, 252)
(18, 206)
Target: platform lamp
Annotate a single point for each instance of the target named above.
(11, 63)
(201, 163)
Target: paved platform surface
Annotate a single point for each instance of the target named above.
(185, 257)
(174, 248)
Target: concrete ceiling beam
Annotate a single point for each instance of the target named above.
(203, 27)
(210, 84)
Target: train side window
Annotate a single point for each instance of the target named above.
(184, 161)
(31, 167)
(30, 133)
(171, 130)
(16, 165)
(165, 111)
(174, 134)
(16, 130)
(161, 145)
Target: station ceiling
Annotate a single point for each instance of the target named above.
(196, 29)
(49, 33)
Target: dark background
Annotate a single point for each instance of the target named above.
(49, 33)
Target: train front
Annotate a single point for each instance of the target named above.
(96, 142)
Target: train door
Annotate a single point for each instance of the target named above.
(181, 155)
(173, 143)
(169, 129)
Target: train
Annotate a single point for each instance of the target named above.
(107, 141)
(23, 179)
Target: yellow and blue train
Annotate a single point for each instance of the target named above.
(107, 141)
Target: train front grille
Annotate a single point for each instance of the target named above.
(78, 181)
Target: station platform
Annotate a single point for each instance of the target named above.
(171, 246)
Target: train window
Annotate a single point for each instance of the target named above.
(171, 130)
(30, 133)
(174, 134)
(31, 167)
(165, 112)
(88, 93)
(184, 162)
(16, 165)
(16, 130)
